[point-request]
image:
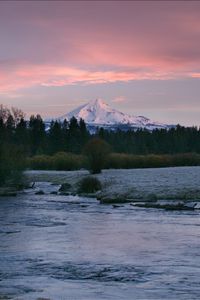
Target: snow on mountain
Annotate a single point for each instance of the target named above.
(98, 113)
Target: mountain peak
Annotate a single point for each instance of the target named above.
(98, 113)
(97, 104)
(97, 101)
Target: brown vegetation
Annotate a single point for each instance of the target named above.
(97, 151)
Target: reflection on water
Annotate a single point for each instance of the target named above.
(63, 247)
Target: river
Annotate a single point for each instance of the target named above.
(64, 247)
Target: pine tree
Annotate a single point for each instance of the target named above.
(55, 138)
(37, 135)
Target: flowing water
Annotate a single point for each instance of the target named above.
(64, 247)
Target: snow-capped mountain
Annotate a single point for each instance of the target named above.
(97, 113)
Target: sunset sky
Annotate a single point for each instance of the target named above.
(142, 58)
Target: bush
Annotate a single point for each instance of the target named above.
(60, 161)
(89, 185)
(68, 161)
(99, 158)
(97, 151)
(12, 164)
(40, 162)
(186, 159)
(130, 161)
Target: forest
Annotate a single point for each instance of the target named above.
(34, 137)
(59, 145)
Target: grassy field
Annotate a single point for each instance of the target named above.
(178, 183)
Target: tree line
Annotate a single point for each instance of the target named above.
(68, 145)
(35, 137)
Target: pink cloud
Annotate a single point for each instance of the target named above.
(25, 76)
(94, 43)
(119, 99)
(195, 75)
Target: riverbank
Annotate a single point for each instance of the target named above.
(151, 187)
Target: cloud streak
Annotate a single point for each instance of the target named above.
(26, 76)
(119, 99)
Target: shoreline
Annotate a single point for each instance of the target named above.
(157, 187)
